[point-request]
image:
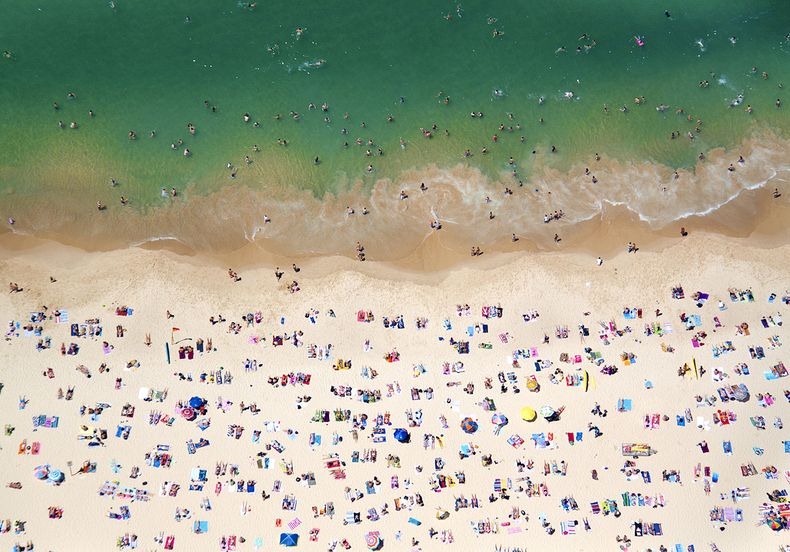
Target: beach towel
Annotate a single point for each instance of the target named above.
(568, 527)
(294, 523)
(624, 405)
(62, 318)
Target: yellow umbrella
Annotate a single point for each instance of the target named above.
(528, 414)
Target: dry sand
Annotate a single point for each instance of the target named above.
(561, 286)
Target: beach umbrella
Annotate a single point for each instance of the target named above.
(189, 413)
(401, 435)
(373, 540)
(546, 411)
(528, 414)
(289, 539)
(55, 476)
(196, 402)
(499, 419)
(468, 425)
(774, 523)
(41, 472)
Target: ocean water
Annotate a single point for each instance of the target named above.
(541, 74)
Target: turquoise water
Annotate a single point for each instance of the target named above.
(149, 65)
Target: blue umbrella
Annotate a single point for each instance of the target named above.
(401, 435)
(289, 539)
(196, 402)
(56, 476)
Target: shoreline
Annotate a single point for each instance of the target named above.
(436, 258)
(635, 196)
(438, 255)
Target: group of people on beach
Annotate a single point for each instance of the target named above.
(456, 462)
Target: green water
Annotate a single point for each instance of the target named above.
(142, 66)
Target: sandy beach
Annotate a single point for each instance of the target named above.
(394, 276)
(320, 401)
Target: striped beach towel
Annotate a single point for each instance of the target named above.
(63, 317)
(294, 523)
